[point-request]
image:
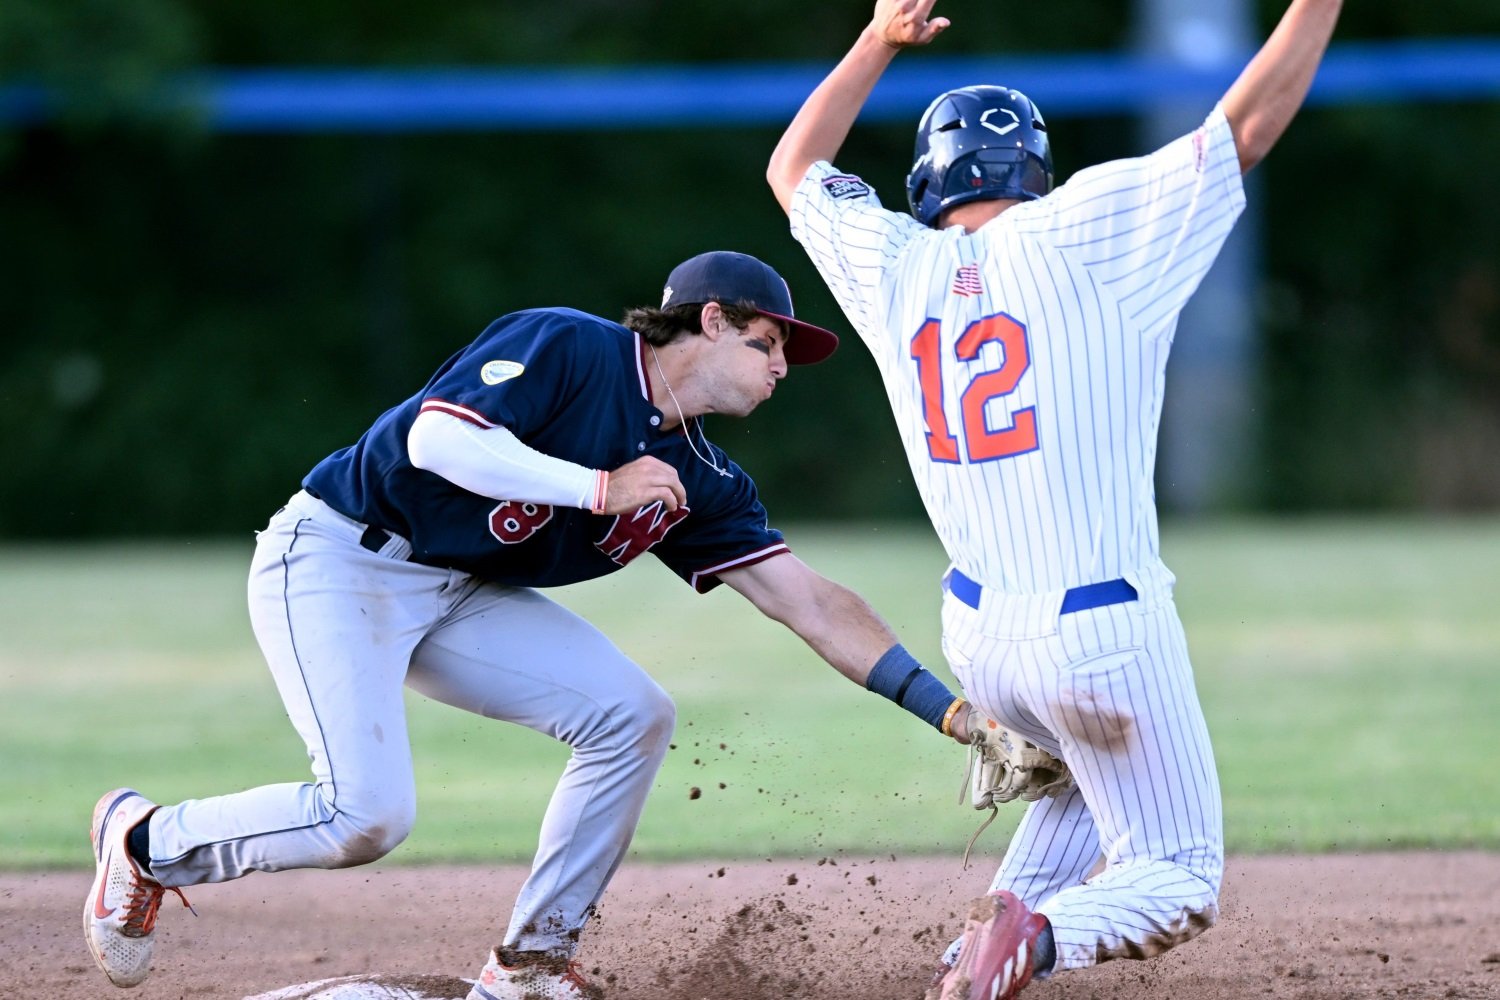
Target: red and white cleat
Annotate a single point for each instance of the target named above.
(998, 950)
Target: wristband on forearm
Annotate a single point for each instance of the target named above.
(898, 676)
(601, 492)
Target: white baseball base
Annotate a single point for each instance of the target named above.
(372, 988)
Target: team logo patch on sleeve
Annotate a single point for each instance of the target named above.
(842, 186)
(495, 372)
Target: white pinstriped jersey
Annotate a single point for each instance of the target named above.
(1025, 362)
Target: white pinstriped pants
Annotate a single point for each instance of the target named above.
(1110, 692)
(342, 629)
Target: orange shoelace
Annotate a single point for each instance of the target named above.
(569, 975)
(142, 905)
(575, 977)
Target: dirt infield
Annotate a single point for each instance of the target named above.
(844, 928)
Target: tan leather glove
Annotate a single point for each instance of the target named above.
(1004, 767)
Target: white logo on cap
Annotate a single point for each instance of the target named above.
(666, 293)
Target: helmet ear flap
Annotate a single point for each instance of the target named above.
(918, 188)
(924, 187)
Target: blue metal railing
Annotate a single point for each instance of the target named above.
(457, 99)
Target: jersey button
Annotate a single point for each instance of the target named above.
(655, 421)
(641, 446)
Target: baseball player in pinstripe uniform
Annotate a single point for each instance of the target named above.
(1022, 334)
(557, 447)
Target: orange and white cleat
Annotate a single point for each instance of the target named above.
(119, 917)
(537, 976)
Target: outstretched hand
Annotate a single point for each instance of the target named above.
(644, 481)
(902, 23)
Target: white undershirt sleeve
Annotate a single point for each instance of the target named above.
(493, 462)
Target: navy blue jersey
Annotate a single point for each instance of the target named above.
(572, 386)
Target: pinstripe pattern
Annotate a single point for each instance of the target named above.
(1111, 692)
(1072, 301)
(1096, 273)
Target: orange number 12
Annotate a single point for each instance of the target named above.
(982, 443)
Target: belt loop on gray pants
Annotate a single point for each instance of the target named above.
(374, 538)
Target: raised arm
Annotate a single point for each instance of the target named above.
(823, 123)
(1262, 102)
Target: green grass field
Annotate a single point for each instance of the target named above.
(1347, 669)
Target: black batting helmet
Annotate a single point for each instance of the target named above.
(978, 142)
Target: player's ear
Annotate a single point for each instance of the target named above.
(712, 321)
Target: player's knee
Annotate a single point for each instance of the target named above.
(645, 723)
(1197, 920)
(640, 724)
(370, 837)
(1198, 913)
(658, 718)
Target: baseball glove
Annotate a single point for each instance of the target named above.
(1003, 767)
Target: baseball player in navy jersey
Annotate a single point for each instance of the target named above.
(1022, 332)
(557, 447)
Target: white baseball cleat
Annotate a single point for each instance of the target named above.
(545, 979)
(119, 916)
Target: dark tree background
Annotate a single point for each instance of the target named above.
(190, 319)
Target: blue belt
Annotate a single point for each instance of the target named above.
(1090, 595)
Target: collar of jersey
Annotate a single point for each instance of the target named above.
(642, 360)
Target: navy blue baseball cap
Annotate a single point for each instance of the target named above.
(738, 279)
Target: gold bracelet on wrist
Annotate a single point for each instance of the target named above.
(949, 715)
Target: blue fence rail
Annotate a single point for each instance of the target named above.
(431, 100)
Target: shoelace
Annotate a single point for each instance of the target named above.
(574, 977)
(142, 905)
(571, 976)
(976, 752)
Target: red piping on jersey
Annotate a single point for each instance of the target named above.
(640, 369)
(739, 562)
(457, 410)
